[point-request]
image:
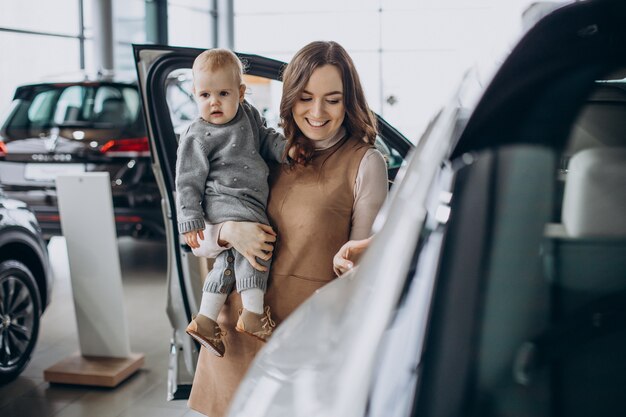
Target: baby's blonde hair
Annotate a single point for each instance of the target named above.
(219, 58)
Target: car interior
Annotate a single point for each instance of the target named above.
(113, 110)
(585, 258)
(539, 299)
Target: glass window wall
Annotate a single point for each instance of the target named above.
(190, 24)
(58, 16)
(35, 58)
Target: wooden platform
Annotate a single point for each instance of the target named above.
(95, 371)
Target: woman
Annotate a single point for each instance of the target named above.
(313, 208)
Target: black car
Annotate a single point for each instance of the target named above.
(25, 285)
(80, 126)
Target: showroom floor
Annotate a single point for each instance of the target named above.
(143, 394)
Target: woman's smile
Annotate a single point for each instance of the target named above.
(315, 123)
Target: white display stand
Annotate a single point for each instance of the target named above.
(88, 224)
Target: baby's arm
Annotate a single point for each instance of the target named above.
(192, 169)
(272, 142)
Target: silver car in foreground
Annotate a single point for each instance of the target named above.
(496, 284)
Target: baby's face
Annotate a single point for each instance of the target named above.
(218, 95)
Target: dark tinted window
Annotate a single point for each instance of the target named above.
(113, 107)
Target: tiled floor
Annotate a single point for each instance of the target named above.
(143, 394)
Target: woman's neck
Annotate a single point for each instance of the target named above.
(327, 143)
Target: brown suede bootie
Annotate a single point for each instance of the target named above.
(208, 333)
(259, 326)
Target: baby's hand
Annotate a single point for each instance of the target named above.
(192, 238)
(301, 151)
(293, 151)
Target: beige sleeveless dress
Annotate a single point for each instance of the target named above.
(310, 209)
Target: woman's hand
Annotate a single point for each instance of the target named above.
(252, 240)
(349, 254)
(191, 238)
(301, 150)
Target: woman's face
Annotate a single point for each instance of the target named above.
(320, 109)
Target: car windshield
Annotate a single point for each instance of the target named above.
(37, 109)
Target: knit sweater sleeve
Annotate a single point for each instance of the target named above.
(370, 192)
(192, 170)
(272, 142)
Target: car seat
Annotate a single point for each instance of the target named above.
(586, 266)
(114, 111)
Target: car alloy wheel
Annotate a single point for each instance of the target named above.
(20, 308)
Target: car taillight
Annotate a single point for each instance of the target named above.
(3, 149)
(126, 147)
(43, 218)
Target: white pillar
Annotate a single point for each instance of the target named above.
(225, 24)
(103, 34)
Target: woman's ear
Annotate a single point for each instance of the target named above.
(242, 92)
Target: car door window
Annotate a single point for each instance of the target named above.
(528, 316)
(179, 97)
(392, 156)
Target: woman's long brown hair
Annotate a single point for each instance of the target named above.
(359, 121)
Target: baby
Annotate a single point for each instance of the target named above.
(221, 175)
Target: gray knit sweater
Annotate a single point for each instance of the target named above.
(220, 171)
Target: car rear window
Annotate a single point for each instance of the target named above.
(112, 107)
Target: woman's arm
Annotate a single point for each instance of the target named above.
(370, 192)
(250, 239)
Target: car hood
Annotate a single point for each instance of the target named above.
(11, 204)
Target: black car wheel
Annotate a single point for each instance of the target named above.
(20, 308)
